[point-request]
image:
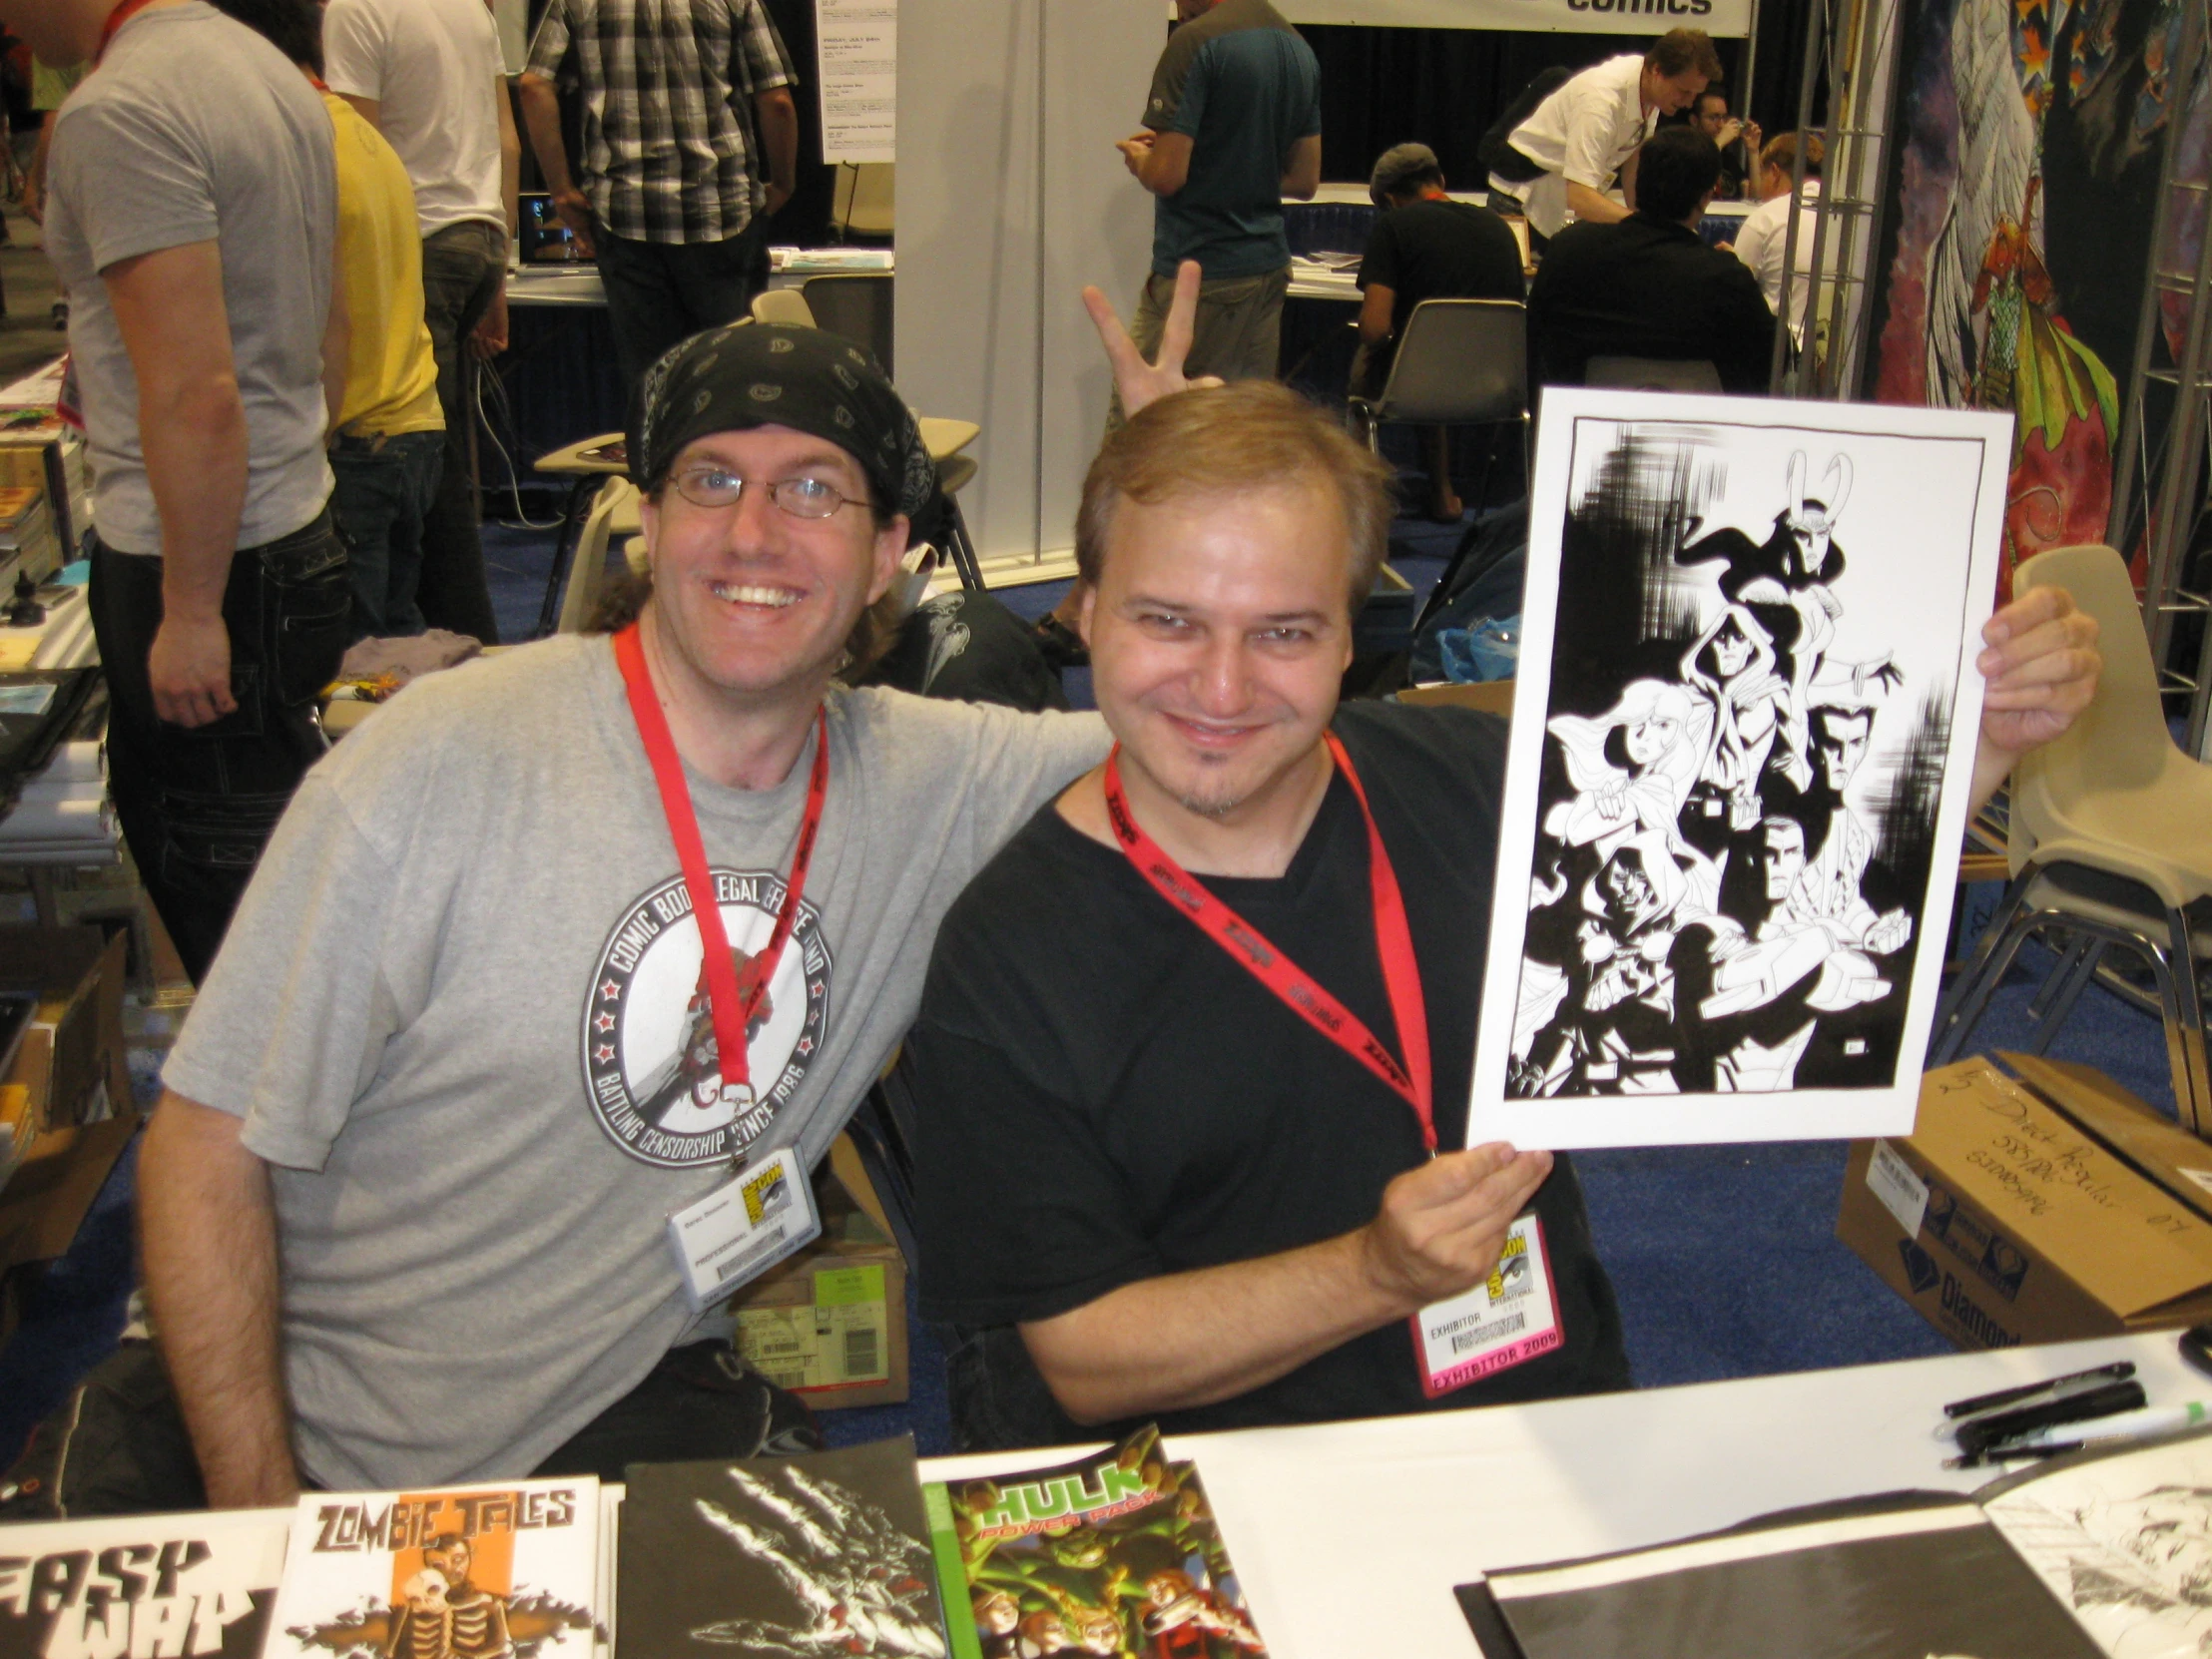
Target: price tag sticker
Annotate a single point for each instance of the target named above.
(1506, 1320)
(742, 1228)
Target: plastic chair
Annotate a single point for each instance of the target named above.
(1461, 362)
(954, 473)
(856, 305)
(615, 510)
(2108, 844)
(782, 306)
(863, 200)
(1652, 373)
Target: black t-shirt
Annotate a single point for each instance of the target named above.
(1644, 287)
(1107, 1097)
(1441, 249)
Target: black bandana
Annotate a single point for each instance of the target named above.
(774, 375)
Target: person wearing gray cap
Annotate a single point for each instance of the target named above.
(407, 1195)
(1424, 246)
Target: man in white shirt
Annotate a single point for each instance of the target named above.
(1590, 128)
(428, 73)
(1763, 244)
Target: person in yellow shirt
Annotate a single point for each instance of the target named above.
(387, 447)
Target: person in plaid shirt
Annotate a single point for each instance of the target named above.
(686, 106)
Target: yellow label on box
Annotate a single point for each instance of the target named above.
(845, 1338)
(842, 1287)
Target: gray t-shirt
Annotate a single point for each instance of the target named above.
(195, 129)
(456, 1010)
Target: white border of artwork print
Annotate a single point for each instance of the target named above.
(1566, 1122)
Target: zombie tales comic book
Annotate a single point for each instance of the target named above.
(196, 1586)
(1116, 1553)
(460, 1572)
(819, 1556)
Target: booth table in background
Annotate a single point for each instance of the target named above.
(1349, 1537)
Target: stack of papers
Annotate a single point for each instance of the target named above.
(62, 813)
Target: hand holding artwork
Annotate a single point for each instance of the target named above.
(1443, 1224)
(1138, 382)
(2041, 664)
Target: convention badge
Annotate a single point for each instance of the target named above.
(742, 1228)
(1510, 1318)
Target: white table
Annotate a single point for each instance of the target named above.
(1350, 1536)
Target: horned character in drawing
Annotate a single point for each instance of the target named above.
(1743, 743)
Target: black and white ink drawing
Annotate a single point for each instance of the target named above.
(1743, 729)
(2127, 1544)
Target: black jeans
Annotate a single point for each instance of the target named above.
(462, 272)
(198, 805)
(661, 292)
(382, 489)
(118, 1445)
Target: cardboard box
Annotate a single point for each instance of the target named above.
(2004, 1220)
(831, 1323)
(72, 1060)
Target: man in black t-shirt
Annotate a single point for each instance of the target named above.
(1152, 1184)
(1648, 286)
(1424, 246)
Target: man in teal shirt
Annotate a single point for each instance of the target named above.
(1232, 126)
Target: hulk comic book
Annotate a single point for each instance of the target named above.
(1115, 1553)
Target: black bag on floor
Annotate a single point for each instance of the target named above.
(970, 648)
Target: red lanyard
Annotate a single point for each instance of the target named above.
(115, 19)
(1394, 943)
(734, 997)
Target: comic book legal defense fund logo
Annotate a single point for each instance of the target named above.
(650, 1064)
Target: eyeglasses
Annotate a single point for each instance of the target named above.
(801, 498)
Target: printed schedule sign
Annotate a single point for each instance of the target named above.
(857, 67)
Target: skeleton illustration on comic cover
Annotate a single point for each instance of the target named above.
(1747, 716)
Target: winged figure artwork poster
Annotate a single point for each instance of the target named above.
(1743, 741)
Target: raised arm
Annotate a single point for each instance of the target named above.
(2041, 663)
(207, 1231)
(1191, 1339)
(1138, 382)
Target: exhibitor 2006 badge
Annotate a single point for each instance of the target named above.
(650, 1064)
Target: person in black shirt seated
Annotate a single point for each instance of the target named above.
(1649, 287)
(1424, 246)
(1738, 142)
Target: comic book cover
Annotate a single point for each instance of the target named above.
(1117, 1553)
(459, 1572)
(196, 1586)
(784, 1558)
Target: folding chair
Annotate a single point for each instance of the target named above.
(1461, 362)
(2107, 847)
(856, 305)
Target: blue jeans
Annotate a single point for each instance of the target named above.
(659, 294)
(383, 491)
(198, 805)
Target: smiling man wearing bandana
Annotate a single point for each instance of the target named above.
(405, 1198)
